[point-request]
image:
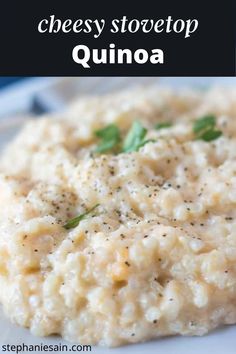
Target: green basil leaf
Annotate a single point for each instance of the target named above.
(135, 137)
(163, 125)
(75, 221)
(110, 137)
(146, 142)
(204, 123)
(210, 135)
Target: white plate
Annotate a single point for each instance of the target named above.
(218, 342)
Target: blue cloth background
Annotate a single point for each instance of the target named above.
(4, 81)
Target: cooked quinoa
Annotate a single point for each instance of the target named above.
(157, 255)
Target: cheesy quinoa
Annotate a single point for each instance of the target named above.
(120, 215)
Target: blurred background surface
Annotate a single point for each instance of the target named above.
(21, 97)
(4, 81)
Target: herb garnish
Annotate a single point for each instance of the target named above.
(205, 128)
(210, 135)
(163, 125)
(75, 221)
(204, 123)
(110, 136)
(135, 138)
